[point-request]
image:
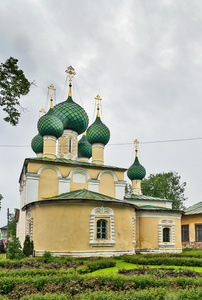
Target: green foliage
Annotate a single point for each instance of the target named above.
(22, 289)
(13, 85)
(12, 225)
(14, 249)
(28, 246)
(1, 197)
(96, 265)
(163, 260)
(128, 190)
(47, 257)
(165, 185)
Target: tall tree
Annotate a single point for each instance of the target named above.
(13, 85)
(165, 185)
(1, 197)
(12, 225)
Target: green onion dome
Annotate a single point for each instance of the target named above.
(50, 124)
(84, 148)
(37, 144)
(72, 115)
(136, 171)
(98, 132)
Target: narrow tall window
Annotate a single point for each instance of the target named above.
(185, 233)
(166, 235)
(198, 232)
(70, 145)
(102, 229)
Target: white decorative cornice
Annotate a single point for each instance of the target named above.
(99, 145)
(49, 137)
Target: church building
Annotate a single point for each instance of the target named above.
(72, 204)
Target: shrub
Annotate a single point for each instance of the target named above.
(14, 249)
(47, 257)
(21, 290)
(28, 246)
(96, 265)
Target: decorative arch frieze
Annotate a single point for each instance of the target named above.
(107, 172)
(79, 170)
(49, 167)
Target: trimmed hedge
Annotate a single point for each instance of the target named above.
(96, 265)
(148, 294)
(163, 260)
(77, 283)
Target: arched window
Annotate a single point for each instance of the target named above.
(70, 145)
(166, 235)
(102, 229)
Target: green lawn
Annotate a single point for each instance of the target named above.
(120, 264)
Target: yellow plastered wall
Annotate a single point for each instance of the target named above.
(74, 185)
(136, 186)
(66, 227)
(33, 167)
(63, 145)
(98, 155)
(147, 232)
(192, 220)
(48, 184)
(107, 185)
(49, 146)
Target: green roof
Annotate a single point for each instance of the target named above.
(50, 124)
(72, 115)
(37, 144)
(143, 197)
(194, 209)
(87, 195)
(82, 195)
(154, 207)
(136, 171)
(98, 132)
(84, 148)
(73, 162)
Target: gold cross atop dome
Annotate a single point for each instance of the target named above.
(42, 111)
(136, 146)
(98, 104)
(70, 71)
(51, 87)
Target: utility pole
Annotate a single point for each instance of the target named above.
(8, 223)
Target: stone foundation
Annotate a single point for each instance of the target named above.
(194, 245)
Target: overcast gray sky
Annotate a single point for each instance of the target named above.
(144, 58)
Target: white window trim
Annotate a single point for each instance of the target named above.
(166, 223)
(30, 225)
(100, 212)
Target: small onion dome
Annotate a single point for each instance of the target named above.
(98, 132)
(49, 124)
(136, 171)
(37, 144)
(72, 115)
(84, 148)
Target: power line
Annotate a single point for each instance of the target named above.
(122, 144)
(155, 142)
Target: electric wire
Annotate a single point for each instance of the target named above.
(125, 144)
